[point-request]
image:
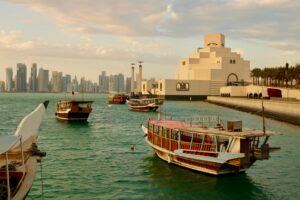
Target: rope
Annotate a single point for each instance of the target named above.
(41, 166)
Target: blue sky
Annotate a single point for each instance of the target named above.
(85, 37)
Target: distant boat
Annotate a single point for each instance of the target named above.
(19, 155)
(117, 99)
(73, 110)
(211, 150)
(144, 105)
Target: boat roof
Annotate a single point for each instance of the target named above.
(7, 142)
(187, 127)
(144, 99)
(75, 101)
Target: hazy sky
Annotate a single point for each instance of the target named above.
(85, 37)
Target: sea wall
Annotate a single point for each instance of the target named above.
(288, 111)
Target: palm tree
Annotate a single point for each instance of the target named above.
(255, 74)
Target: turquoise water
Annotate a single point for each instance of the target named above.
(93, 160)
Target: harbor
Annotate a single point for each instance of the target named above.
(91, 160)
(282, 110)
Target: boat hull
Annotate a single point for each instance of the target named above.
(28, 180)
(117, 99)
(197, 165)
(72, 116)
(143, 108)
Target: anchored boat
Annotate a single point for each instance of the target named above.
(73, 110)
(117, 99)
(19, 155)
(212, 150)
(145, 105)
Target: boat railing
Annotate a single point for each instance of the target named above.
(203, 121)
(174, 144)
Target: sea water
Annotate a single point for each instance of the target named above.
(94, 160)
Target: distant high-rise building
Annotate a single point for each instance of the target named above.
(21, 83)
(103, 82)
(2, 86)
(43, 80)
(56, 81)
(9, 79)
(128, 85)
(121, 82)
(68, 83)
(116, 83)
(33, 78)
(75, 86)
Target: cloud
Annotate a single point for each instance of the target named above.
(261, 20)
(12, 42)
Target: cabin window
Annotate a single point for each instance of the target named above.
(164, 132)
(155, 130)
(150, 127)
(160, 130)
(160, 86)
(174, 134)
(144, 88)
(168, 133)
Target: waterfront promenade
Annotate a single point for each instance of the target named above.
(283, 110)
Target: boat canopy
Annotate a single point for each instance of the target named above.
(197, 129)
(75, 101)
(238, 134)
(170, 124)
(7, 142)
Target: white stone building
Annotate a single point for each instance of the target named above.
(204, 72)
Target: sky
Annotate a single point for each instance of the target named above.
(86, 37)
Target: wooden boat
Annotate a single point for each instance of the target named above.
(144, 105)
(73, 110)
(209, 150)
(117, 99)
(19, 155)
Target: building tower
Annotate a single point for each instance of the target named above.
(9, 79)
(21, 83)
(33, 78)
(132, 79)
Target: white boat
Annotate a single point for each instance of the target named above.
(19, 156)
(211, 150)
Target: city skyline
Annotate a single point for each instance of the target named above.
(35, 79)
(88, 37)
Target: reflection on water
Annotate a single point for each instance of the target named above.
(93, 160)
(174, 182)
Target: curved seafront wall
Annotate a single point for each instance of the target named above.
(288, 111)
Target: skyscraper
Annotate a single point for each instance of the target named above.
(9, 79)
(68, 83)
(43, 80)
(128, 85)
(56, 81)
(33, 78)
(116, 83)
(103, 82)
(21, 83)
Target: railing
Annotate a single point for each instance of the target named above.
(171, 144)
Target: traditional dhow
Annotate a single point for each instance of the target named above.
(144, 105)
(117, 99)
(19, 155)
(209, 150)
(73, 110)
